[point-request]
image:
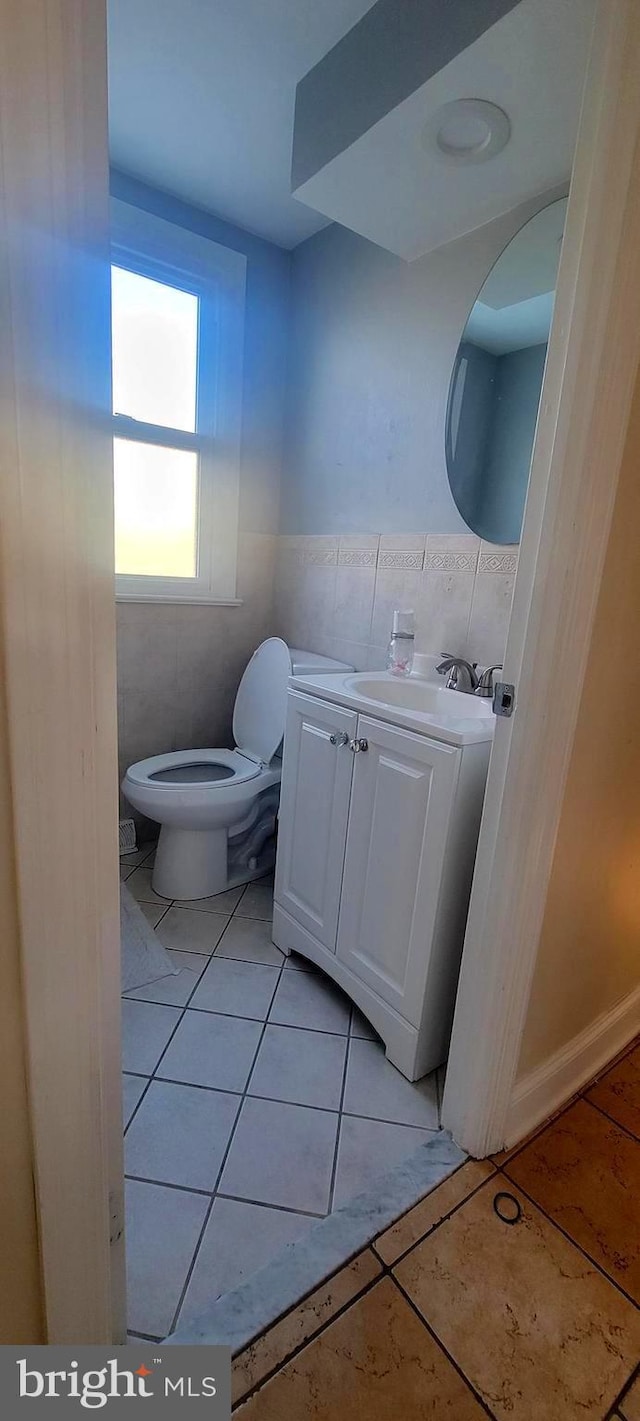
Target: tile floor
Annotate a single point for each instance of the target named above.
(453, 1312)
(257, 1100)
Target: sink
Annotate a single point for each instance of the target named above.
(413, 694)
(413, 702)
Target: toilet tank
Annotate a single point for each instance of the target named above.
(308, 663)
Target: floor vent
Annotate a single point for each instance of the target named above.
(127, 836)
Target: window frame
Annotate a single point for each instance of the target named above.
(153, 247)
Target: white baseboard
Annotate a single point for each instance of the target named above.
(550, 1085)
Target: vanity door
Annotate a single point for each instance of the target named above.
(402, 795)
(314, 808)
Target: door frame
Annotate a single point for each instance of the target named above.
(593, 357)
(69, 935)
(57, 641)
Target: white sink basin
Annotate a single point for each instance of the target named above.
(412, 693)
(414, 702)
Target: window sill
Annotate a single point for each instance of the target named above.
(176, 600)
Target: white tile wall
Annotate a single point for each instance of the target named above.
(337, 596)
(179, 666)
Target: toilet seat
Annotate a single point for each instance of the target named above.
(164, 771)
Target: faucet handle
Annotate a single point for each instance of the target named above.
(484, 687)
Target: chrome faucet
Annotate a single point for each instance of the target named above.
(485, 685)
(462, 675)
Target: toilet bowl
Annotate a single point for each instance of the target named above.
(217, 808)
(207, 800)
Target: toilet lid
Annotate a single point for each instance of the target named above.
(261, 703)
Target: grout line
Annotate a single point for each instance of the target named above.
(440, 1344)
(445, 1217)
(623, 1394)
(334, 1167)
(225, 1157)
(574, 1242)
(281, 1100)
(242, 1096)
(214, 1194)
(279, 1208)
(612, 1120)
(313, 1336)
(143, 1336)
(181, 1011)
(165, 1184)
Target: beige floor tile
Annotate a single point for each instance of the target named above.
(431, 1211)
(538, 1330)
(376, 1361)
(629, 1407)
(584, 1171)
(618, 1093)
(299, 1326)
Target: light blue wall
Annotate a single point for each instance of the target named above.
(515, 410)
(373, 343)
(265, 354)
(470, 432)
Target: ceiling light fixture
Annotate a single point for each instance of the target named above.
(467, 131)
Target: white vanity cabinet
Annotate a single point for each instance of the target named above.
(314, 808)
(377, 839)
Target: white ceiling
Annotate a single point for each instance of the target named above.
(201, 100)
(515, 306)
(396, 190)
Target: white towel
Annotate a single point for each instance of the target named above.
(144, 959)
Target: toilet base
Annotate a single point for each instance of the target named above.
(190, 863)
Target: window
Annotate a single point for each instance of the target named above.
(177, 317)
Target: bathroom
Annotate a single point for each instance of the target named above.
(258, 1098)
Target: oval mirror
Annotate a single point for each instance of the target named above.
(497, 376)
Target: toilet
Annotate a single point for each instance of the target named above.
(217, 808)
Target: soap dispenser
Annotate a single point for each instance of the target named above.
(400, 649)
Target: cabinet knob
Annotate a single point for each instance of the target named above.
(358, 745)
(339, 738)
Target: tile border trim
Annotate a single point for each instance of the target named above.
(498, 562)
(411, 561)
(450, 562)
(320, 550)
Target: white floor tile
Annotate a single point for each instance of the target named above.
(303, 1067)
(174, 991)
(375, 1088)
(367, 1149)
(220, 903)
(126, 870)
(310, 1000)
(185, 930)
(239, 1239)
(132, 1088)
(141, 855)
(361, 1027)
(250, 940)
(210, 1050)
(146, 1029)
(163, 1228)
(239, 988)
(153, 912)
(257, 901)
(180, 1134)
(281, 1154)
(296, 963)
(140, 885)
